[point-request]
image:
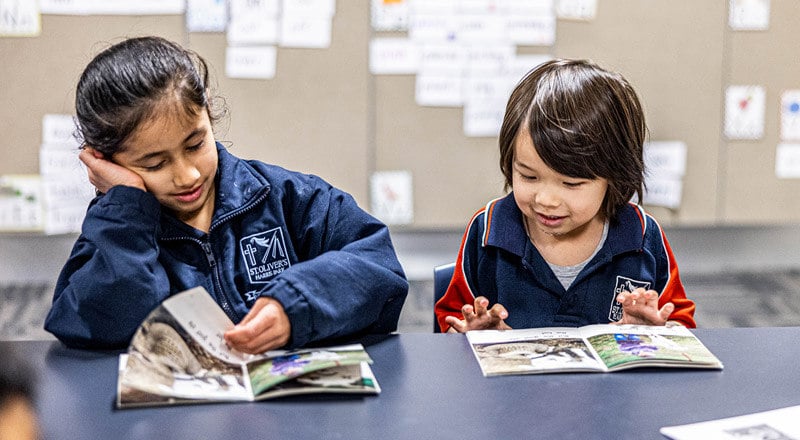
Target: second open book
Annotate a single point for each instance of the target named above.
(593, 348)
(178, 355)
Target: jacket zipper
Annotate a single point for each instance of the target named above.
(212, 262)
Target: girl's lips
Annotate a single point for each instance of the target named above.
(191, 196)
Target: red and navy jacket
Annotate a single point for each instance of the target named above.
(498, 261)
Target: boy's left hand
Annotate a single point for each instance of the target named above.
(265, 327)
(641, 307)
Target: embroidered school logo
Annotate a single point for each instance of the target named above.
(265, 255)
(627, 285)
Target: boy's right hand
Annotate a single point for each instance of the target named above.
(105, 174)
(479, 317)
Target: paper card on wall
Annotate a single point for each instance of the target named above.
(432, 27)
(442, 57)
(438, 90)
(538, 7)
(584, 10)
(486, 28)
(433, 7)
(66, 191)
(749, 15)
(59, 129)
(665, 158)
(787, 161)
(60, 160)
(663, 191)
(305, 31)
(392, 197)
(107, 7)
(250, 62)
(19, 18)
(206, 15)
(486, 87)
(790, 115)
(483, 118)
(479, 6)
(744, 112)
(393, 56)
(64, 219)
(532, 29)
(21, 203)
(389, 15)
(253, 23)
(489, 59)
(323, 8)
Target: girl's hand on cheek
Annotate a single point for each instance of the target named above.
(105, 174)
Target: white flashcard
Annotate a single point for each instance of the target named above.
(389, 15)
(665, 158)
(393, 56)
(749, 15)
(252, 23)
(479, 6)
(206, 15)
(138, 7)
(583, 10)
(531, 29)
(787, 161)
(438, 90)
(60, 160)
(486, 88)
(322, 8)
(429, 28)
(66, 191)
(489, 59)
(484, 28)
(305, 31)
(433, 7)
(744, 112)
(442, 57)
(392, 197)
(663, 191)
(65, 7)
(19, 18)
(250, 62)
(790, 115)
(538, 7)
(59, 129)
(21, 203)
(483, 118)
(64, 219)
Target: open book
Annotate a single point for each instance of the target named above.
(778, 424)
(178, 355)
(592, 348)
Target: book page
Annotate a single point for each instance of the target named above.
(529, 351)
(779, 424)
(280, 367)
(356, 378)
(626, 346)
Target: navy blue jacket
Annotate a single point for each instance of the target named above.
(274, 233)
(498, 261)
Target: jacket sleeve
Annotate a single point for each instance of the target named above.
(459, 292)
(348, 281)
(112, 279)
(669, 277)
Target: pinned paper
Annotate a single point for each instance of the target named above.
(744, 112)
(391, 15)
(584, 10)
(392, 197)
(305, 31)
(749, 15)
(206, 15)
(21, 203)
(101, 7)
(19, 18)
(396, 56)
(483, 118)
(665, 166)
(790, 115)
(439, 90)
(253, 23)
(787, 161)
(251, 62)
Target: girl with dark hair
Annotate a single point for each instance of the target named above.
(289, 258)
(566, 247)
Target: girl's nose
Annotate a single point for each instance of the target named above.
(186, 175)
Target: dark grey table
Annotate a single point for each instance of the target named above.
(433, 389)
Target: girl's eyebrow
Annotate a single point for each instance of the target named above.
(191, 135)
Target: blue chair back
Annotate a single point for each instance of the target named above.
(441, 279)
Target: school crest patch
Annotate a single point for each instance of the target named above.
(623, 284)
(265, 255)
